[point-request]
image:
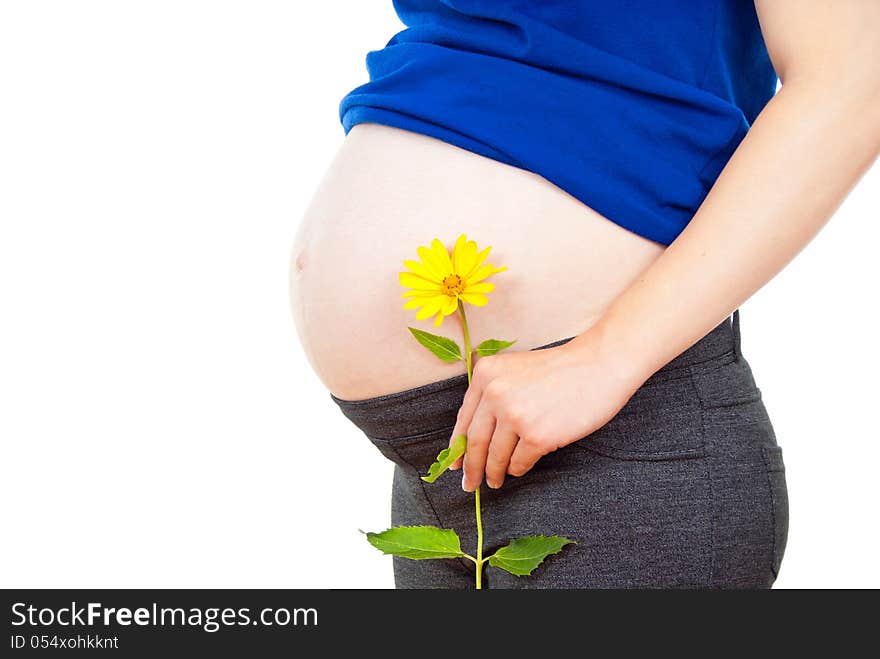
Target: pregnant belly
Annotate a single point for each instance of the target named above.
(388, 191)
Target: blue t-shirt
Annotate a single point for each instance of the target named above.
(631, 106)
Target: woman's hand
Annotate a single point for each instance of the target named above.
(818, 134)
(522, 405)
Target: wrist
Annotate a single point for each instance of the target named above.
(617, 351)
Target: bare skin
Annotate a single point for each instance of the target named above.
(803, 154)
(388, 191)
(632, 305)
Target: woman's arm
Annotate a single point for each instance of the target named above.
(803, 154)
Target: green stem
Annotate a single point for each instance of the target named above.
(467, 341)
(479, 539)
(470, 371)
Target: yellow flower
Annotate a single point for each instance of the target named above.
(439, 280)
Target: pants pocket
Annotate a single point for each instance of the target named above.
(415, 452)
(779, 502)
(660, 422)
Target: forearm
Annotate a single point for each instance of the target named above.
(799, 160)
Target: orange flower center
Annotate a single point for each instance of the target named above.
(453, 285)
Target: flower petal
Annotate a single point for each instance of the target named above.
(433, 263)
(468, 260)
(411, 280)
(442, 255)
(420, 292)
(451, 306)
(478, 259)
(458, 253)
(422, 270)
(481, 287)
(484, 271)
(431, 307)
(476, 299)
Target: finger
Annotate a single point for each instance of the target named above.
(457, 464)
(455, 433)
(465, 415)
(501, 447)
(524, 457)
(479, 434)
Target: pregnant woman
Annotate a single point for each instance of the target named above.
(630, 164)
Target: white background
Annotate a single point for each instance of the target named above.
(160, 426)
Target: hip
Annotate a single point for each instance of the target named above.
(685, 486)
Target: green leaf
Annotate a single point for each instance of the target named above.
(446, 457)
(523, 555)
(492, 346)
(417, 542)
(445, 349)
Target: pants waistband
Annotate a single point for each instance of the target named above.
(392, 415)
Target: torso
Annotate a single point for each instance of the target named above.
(388, 191)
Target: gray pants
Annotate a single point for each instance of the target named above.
(684, 488)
